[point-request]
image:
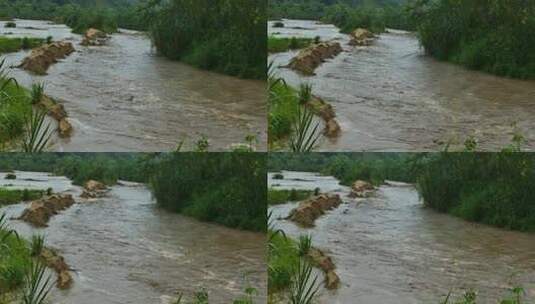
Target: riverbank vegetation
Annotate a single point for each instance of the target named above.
(14, 196)
(9, 45)
(492, 36)
(277, 45)
(227, 36)
(226, 188)
(275, 196)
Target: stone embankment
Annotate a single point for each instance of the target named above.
(311, 57)
(40, 211)
(309, 210)
(41, 58)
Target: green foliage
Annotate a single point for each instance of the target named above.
(227, 36)
(304, 245)
(277, 45)
(227, 188)
(14, 258)
(283, 256)
(37, 284)
(37, 244)
(304, 285)
(37, 92)
(9, 45)
(275, 197)
(14, 196)
(81, 19)
(489, 35)
(470, 297)
(37, 132)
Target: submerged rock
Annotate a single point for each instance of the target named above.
(41, 58)
(310, 58)
(41, 210)
(308, 211)
(94, 37)
(361, 188)
(361, 37)
(11, 176)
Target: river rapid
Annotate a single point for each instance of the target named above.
(391, 249)
(390, 96)
(125, 250)
(123, 97)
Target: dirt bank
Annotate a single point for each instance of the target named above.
(324, 262)
(309, 210)
(55, 261)
(57, 111)
(310, 58)
(41, 58)
(326, 112)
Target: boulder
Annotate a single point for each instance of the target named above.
(361, 37)
(324, 262)
(311, 57)
(326, 112)
(94, 189)
(94, 37)
(11, 176)
(308, 211)
(332, 128)
(361, 188)
(41, 210)
(41, 58)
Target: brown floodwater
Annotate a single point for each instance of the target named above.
(123, 97)
(392, 97)
(125, 250)
(391, 249)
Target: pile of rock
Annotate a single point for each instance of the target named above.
(310, 58)
(41, 210)
(361, 189)
(53, 260)
(57, 111)
(41, 58)
(308, 211)
(361, 37)
(326, 112)
(321, 260)
(94, 189)
(94, 37)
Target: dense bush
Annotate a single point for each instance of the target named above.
(227, 188)
(490, 35)
(492, 188)
(228, 36)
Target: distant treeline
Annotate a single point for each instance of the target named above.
(495, 36)
(346, 14)
(227, 188)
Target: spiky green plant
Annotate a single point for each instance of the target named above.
(5, 231)
(5, 80)
(37, 133)
(37, 285)
(37, 93)
(304, 245)
(37, 244)
(306, 134)
(304, 286)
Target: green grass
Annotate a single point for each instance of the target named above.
(283, 257)
(14, 258)
(278, 45)
(9, 45)
(283, 107)
(15, 106)
(276, 197)
(9, 196)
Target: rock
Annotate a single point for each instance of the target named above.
(94, 189)
(41, 58)
(53, 260)
(64, 128)
(311, 57)
(41, 210)
(11, 176)
(308, 211)
(361, 37)
(361, 189)
(326, 112)
(332, 128)
(325, 263)
(94, 37)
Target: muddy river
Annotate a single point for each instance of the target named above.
(123, 97)
(392, 97)
(390, 249)
(125, 250)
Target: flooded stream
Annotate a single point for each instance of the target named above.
(390, 249)
(125, 250)
(391, 97)
(123, 97)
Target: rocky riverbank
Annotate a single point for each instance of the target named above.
(309, 210)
